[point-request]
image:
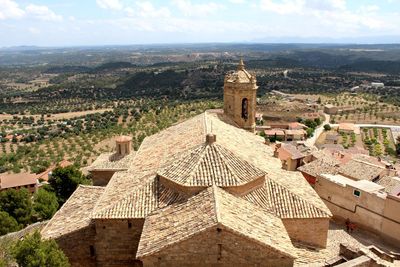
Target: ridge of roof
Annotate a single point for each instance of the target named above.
(216, 206)
(58, 225)
(144, 199)
(301, 208)
(156, 149)
(210, 164)
(209, 208)
(368, 163)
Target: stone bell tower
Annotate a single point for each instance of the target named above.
(240, 97)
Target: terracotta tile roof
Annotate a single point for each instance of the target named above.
(155, 152)
(368, 159)
(112, 161)
(251, 148)
(295, 132)
(391, 184)
(213, 207)
(75, 213)
(143, 200)
(296, 126)
(45, 175)
(289, 151)
(11, 180)
(326, 164)
(272, 132)
(210, 164)
(361, 170)
(347, 126)
(283, 203)
(151, 155)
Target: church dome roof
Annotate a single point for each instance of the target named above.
(210, 164)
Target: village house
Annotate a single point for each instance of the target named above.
(295, 135)
(363, 202)
(357, 187)
(330, 109)
(202, 192)
(292, 156)
(45, 176)
(361, 170)
(286, 135)
(296, 126)
(347, 128)
(277, 134)
(17, 181)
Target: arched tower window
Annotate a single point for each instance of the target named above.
(245, 108)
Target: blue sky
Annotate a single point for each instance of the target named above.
(109, 22)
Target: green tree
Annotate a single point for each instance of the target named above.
(64, 181)
(17, 203)
(310, 132)
(327, 127)
(45, 204)
(6, 258)
(34, 252)
(7, 223)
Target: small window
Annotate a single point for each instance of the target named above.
(92, 252)
(357, 193)
(129, 225)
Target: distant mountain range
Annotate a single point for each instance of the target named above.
(267, 43)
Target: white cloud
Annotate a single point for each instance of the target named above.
(283, 8)
(301, 6)
(33, 30)
(330, 12)
(237, 1)
(10, 10)
(190, 9)
(147, 10)
(42, 13)
(110, 4)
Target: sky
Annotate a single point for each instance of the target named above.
(124, 22)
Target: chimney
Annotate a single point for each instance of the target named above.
(123, 145)
(210, 139)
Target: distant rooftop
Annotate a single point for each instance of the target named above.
(12, 180)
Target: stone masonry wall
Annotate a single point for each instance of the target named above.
(217, 248)
(101, 178)
(308, 231)
(117, 242)
(76, 246)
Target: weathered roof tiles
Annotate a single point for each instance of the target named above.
(213, 207)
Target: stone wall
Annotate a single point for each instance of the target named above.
(117, 242)
(374, 212)
(308, 231)
(217, 247)
(101, 178)
(77, 247)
